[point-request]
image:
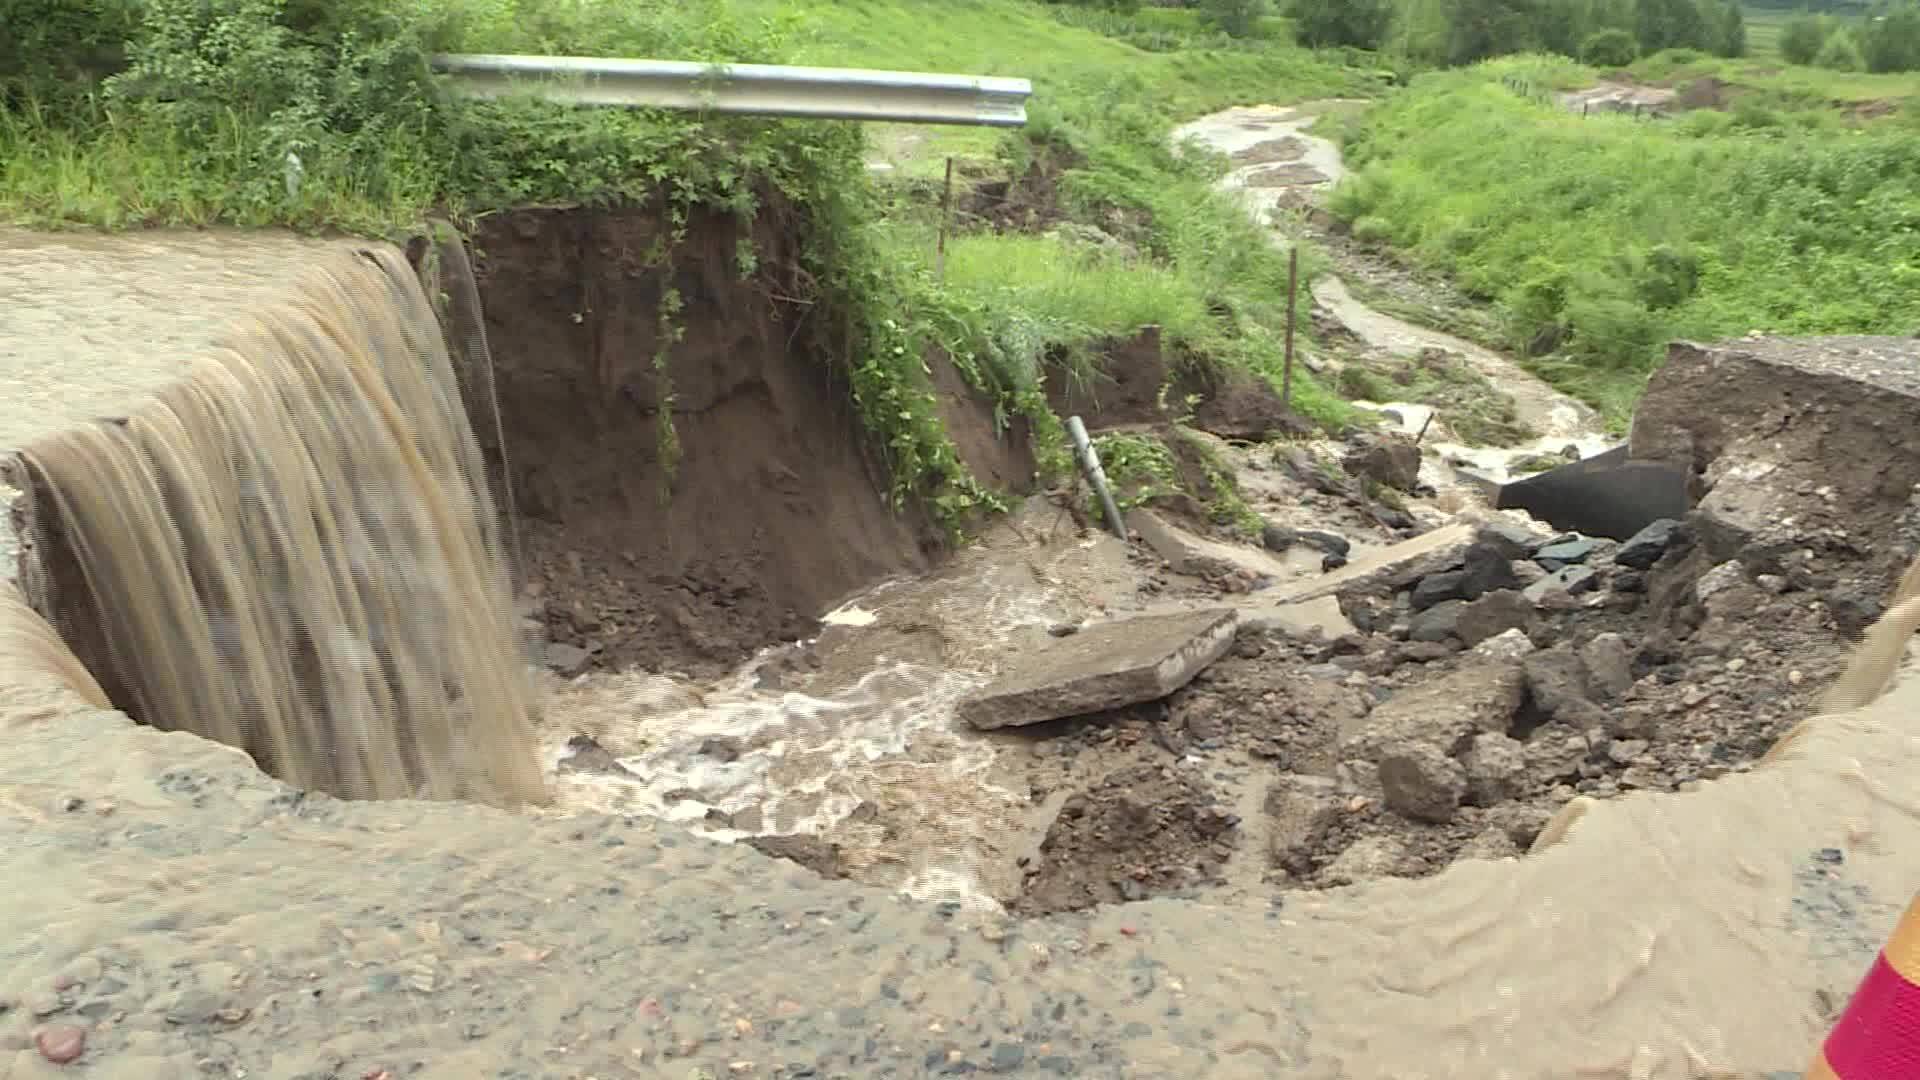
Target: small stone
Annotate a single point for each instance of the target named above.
(61, 1043)
(1331, 543)
(1512, 541)
(1609, 662)
(1438, 588)
(1626, 751)
(1389, 460)
(1420, 782)
(1719, 579)
(1563, 553)
(1492, 615)
(566, 660)
(1366, 858)
(1795, 677)
(1437, 623)
(1645, 547)
(1511, 645)
(1575, 579)
(1487, 569)
(1495, 765)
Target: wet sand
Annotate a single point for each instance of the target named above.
(191, 913)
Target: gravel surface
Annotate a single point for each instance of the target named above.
(190, 916)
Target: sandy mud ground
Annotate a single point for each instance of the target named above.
(1221, 883)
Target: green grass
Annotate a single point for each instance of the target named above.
(1778, 83)
(1101, 296)
(199, 130)
(1617, 236)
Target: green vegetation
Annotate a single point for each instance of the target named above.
(1475, 409)
(1143, 468)
(1599, 239)
(323, 116)
(1456, 32)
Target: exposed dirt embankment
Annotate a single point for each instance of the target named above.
(774, 508)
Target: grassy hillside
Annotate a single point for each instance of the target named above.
(215, 97)
(1601, 238)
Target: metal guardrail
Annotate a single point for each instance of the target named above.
(755, 89)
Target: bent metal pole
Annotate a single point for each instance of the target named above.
(1090, 464)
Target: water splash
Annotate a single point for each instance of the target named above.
(286, 550)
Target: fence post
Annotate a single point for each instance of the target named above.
(1293, 289)
(946, 218)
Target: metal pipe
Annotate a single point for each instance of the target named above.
(751, 89)
(1089, 460)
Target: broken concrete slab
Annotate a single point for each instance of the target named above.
(1786, 439)
(1390, 568)
(1322, 615)
(1201, 557)
(1444, 712)
(1107, 665)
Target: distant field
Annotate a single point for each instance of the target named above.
(1764, 26)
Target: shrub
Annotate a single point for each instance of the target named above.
(1841, 53)
(1360, 24)
(1892, 41)
(1238, 18)
(1609, 48)
(1802, 38)
(47, 42)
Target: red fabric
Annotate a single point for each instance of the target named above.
(1878, 1037)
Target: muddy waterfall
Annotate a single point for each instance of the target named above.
(292, 550)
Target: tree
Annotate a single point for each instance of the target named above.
(1841, 53)
(1361, 24)
(1892, 39)
(1802, 37)
(1239, 18)
(1483, 28)
(1727, 27)
(1669, 24)
(1609, 49)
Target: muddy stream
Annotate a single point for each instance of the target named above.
(846, 751)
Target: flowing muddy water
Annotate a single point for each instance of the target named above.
(859, 747)
(1276, 160)
(282, 547)
(852, 737)
(180, 914)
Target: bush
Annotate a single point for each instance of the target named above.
(1609, 48)
(1238, 18)
(1802, 38)
(1360, 24)
(1893, 40)
(1841, 53)
(48, 42)
(1600, 241)
(1125, 7)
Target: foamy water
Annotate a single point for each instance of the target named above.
(750, 761)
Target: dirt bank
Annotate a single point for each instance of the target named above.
(774, 508)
